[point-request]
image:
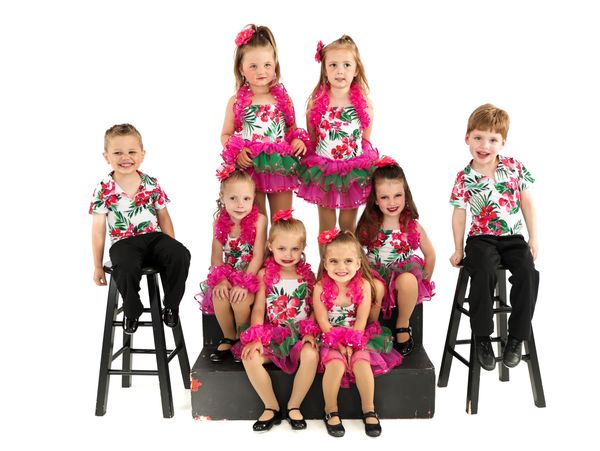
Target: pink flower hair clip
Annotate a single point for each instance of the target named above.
(244, 36)
(328, 235)
(225, 171)
(386, 161)
(320, 46)
(283, 215)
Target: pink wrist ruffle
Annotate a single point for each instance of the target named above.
(301, 134)
(217, 273)
(256, 333)
(245, 280)
(308, 327)
(232, 149)
(352, 338)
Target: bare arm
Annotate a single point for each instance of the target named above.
(98, 240)
(258, 308)
(259, 245)
(367, 132)
(428, 252)
(165, 223)
(459, 218)
(228, 122)
(364, 308)
(309, 128)
(319, 309)
(530, 220)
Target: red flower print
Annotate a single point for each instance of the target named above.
(111, 200)
(291, 312)
(281, 301)
(116, 233)
(295, 302)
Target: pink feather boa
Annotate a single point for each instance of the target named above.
(271, 276)
(245, 280)
(346, 336)
(321, 103)
(256, 333)
(308, 327)
(218, 273)
(243, 99)
(331, 291)
(247, 226)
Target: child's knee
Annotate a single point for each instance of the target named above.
(406, 281)
(309, 354)
(335, 367)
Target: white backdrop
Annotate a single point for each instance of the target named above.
(72, 69)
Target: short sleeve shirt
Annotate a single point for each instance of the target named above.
(495, 204)
(126, 216)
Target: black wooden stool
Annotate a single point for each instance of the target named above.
(163, 355)
(501, 310)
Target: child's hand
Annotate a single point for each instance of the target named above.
(221, 291)
(456, 258)
(243, 159)
(298, 146)
(309, 339)
(533, 247)
(250, 350)
(99, 276)
(238, 294)
(346, 352)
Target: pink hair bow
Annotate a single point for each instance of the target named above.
(282, 215)
(244, 36)
(385, 161)
(225, 171)
(318, 54)
(328, 235)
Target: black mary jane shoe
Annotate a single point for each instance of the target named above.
(297, 425)
(261, 426)
(407, 346)
(170, 316)
(223, 354)
(130, 325)
(372, 429)
(335, 430)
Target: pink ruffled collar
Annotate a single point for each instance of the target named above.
(271, 276)
(243, 99)
(331, 291)
(247, 226)
(321, 103)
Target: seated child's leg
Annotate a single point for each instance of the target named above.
(334, 370)
(224, 315)
(481, 261)
(309, 359)
(348, 219)
(261, 381)
(241, 310)
(376, 305)
(174, 260)
(517, 258)
(407, 290)
(127, 256)
(365, 382)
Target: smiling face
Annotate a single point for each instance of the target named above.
(340, 68)
(287, 248)
(484, 147)
(341, 261)
(124, 154)
(238, 198)
(390, 197)
(258, 66)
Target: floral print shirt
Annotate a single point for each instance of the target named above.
(392, 247)
(495, 204)
(339, 135)
(126, 216)
(237, 254)
(287, 302)
(264, 123)
(342, 316)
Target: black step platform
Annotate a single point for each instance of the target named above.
(222, 391)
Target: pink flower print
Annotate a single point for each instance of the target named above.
(510, 163)
(281, 301)
(234, 246)
(291, 312)
(325, 125)
(335, 113)
(129, 232)
(507, 202)
(246, 258)
(116, 233)
(149, 229)
(381, 236)
(111, 200)
(141, 198)
(295, 302)
(339, 152)
(397, 235)
(231, 260)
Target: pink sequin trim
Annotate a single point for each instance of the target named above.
(308, 327)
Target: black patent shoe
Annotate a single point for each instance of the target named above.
(261, 426)
(407, 346)
(335, 430)
(512, 352)
(485, 353)
(170, 316)
(297, 425)
(374, 429)
(130, 325)
(220, 355)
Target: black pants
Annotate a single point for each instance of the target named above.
(483, 255)
(130, 255)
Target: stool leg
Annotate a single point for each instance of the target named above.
(535, 375)
(473, 384)
(459, 299)
(161, 347)
(182, 355)
(126, 359)
(502, 324)
(107, 347)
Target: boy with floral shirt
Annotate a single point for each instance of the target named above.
(494, 188)
(134, 206)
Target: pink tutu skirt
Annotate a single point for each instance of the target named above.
(204, 299)
(337, 183)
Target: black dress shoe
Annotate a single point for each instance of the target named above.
(512, 352)
(407, 346)
(296, 424)
(130, 325)
(335, 430)
(261, 426)
(485, 353)
(372, 430)
(223, 354)
(170, 316)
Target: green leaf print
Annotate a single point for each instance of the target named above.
(250, 118)
(275, 130)
(300, 292)
(503, 188)
(348, 115)
(121, 222)
(337, 134)
(479, 202)
(147, 180)
(516, 209)
(516, 229)
(356, 134)
(135, 210)
(141, 226)
(322, 147)
(502, 173)
(527, 176)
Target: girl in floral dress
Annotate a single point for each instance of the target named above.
(351, 350)
(282, 330)
(389, 229)
(259, 131)
(237, 255)
(336, 173)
